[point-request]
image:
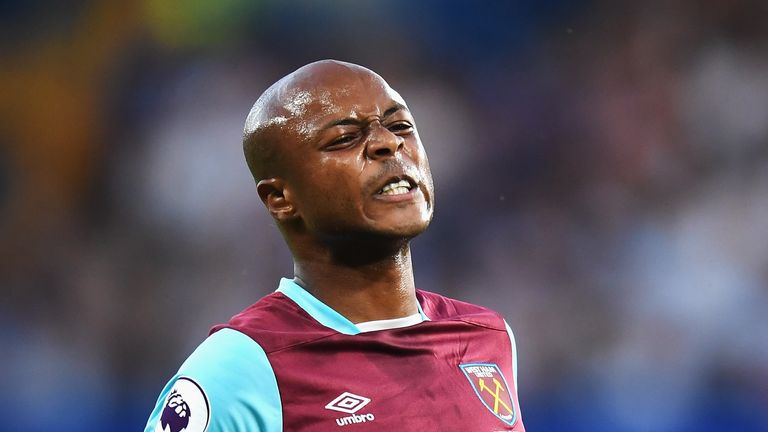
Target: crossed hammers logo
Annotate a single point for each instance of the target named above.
(495, 393)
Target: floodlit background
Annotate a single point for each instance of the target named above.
(601, 171)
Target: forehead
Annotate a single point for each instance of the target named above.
(296, 105)
(354, 93)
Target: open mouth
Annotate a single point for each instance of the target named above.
(397, 186)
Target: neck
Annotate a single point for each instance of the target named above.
(362, 285)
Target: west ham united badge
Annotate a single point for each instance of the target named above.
(491, 387)
(186, 408)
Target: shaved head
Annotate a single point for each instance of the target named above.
(281, 112)
(335, 154)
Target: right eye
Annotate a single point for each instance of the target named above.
(341, 142)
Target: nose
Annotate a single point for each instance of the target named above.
(382, 142)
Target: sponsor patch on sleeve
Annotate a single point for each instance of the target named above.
(186, 408)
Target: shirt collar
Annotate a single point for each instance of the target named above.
(328, 317)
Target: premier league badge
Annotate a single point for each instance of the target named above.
(186, 408)
(492, 389)
(176, 413)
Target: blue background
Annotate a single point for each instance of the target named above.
(601, 171)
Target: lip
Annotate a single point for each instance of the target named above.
(409, 196)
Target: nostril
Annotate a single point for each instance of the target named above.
(382, 151)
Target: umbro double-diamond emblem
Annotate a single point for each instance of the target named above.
(350, 403)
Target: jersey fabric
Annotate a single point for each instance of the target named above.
(291, 363)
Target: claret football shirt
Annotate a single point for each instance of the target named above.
(291, 363)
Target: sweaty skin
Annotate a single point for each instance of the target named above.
(341, 134)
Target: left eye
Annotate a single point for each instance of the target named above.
(400, 127)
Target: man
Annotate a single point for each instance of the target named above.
(349, 342)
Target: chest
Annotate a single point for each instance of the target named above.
(447, 377)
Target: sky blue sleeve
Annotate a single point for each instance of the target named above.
(230, 376)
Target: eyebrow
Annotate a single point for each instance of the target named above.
(353, 121)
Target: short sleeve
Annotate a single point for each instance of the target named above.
(226, 385)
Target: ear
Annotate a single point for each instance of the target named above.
(277, 198)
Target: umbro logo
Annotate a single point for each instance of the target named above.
(347, 402)
(350, 403)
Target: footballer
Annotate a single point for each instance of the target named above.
(348, 342)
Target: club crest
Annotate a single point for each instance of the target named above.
(492, 389)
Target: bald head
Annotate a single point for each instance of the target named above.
(284, 112)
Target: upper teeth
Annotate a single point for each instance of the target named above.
(396, 188)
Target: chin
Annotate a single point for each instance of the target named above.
(405, 223)
(406, 231)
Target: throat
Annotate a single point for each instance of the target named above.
(380, 290)
(366, 251)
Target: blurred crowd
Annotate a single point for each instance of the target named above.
(601, 171)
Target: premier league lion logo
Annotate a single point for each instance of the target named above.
(186, 408)
(175, 417)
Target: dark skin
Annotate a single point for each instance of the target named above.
(342, 135)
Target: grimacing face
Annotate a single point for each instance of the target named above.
(353, 161)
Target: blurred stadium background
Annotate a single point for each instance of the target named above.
(601, 172)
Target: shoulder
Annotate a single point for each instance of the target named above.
(438, 307)
(220, 386)
(276, 322)
(262, 314)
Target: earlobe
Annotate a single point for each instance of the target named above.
(276, 198)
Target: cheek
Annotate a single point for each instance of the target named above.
(332, 193)
(423, 163)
